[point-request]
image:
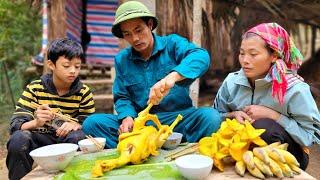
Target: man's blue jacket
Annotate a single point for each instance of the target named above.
(135, 76)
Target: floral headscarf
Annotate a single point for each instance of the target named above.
(290, 57)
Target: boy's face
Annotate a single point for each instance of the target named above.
(66, 70)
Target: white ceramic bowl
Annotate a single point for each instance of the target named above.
(173, 141)
(87, 146)
(194, 166)
(55, 157)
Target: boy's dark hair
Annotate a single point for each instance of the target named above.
(65, 47)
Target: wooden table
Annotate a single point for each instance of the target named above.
(228, 174)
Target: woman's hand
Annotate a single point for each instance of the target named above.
(66, 128)
(240, 116)
(258, 112)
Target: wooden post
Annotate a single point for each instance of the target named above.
(56, 23)
(196, 38)
(313, 41)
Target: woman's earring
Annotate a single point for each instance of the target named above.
(274, 58)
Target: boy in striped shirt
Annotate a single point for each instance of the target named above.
(60, 91)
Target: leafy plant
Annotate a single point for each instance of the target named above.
(20, 31)
(20, 39)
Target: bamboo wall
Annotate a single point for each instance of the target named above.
(223, 23)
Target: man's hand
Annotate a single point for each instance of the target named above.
(126, 125)
(162, 88)
(42, 115)
(66, 128)
(258, 112)
(240, 116)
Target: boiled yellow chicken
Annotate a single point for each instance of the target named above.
(136, 146)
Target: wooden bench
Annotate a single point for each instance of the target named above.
(100, 80)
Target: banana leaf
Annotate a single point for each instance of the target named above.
(154, 168)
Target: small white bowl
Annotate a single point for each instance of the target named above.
(55, 157)
(194, 166)
(87, 146)
(173, 141)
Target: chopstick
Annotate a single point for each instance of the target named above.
(95, 142)
(65, 118)
(61, 116)
(182, 149)
(186, 150)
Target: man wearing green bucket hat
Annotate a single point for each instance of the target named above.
(154, 69)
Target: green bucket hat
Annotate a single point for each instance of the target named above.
(131, 10)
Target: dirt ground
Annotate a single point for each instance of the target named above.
(204, 100)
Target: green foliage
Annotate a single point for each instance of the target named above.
(20, 39)
(20, 31)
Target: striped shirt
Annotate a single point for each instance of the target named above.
(77, 103)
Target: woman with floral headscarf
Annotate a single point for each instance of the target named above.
(268, 92)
